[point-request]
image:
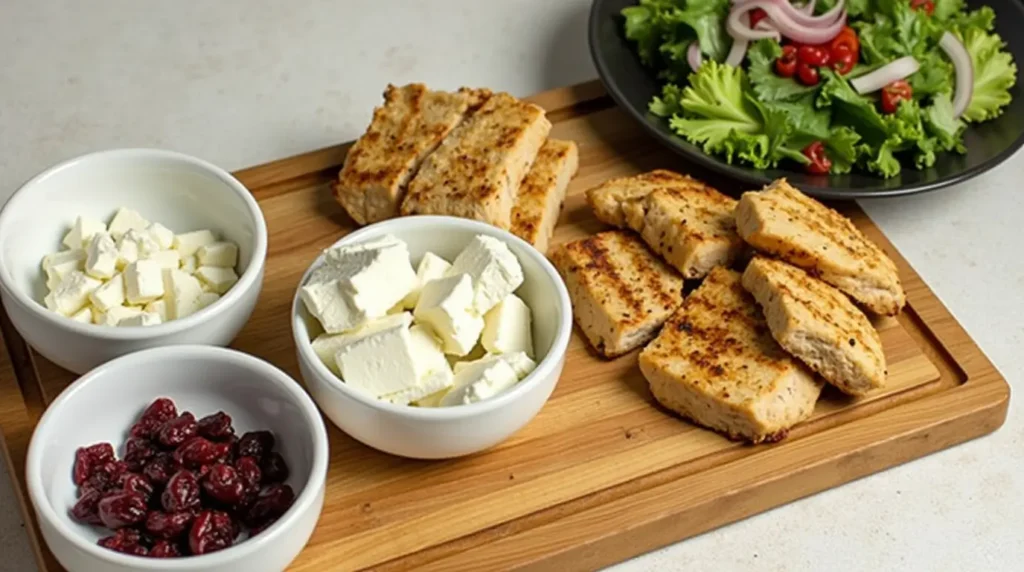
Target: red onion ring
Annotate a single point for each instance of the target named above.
(693, 55)
(883, 76)
(782, 22)
(963, 90)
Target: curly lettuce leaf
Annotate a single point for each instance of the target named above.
(767, 85)
(851, 108)
(947, 9)
(983, 18)
(841, 146)
(662, 30)
(940, 123)
(994, 74)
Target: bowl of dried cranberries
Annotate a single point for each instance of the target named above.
(188, 458)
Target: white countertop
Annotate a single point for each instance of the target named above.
(242, 82)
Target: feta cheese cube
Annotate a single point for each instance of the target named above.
(74, 255)
(109, 295)
(479, 382)
(189, 263)
(181, 293)
(446, 306)
(166, 258)
(495, 271)
(381, 358)
(188, 243)
(327, 345)
(431, 267)
(83, 229)
(143, 282)
(519, 361)
(220, 280)
(113, 316)
(125, 220)
(72, 294)
(158, 307)
(84, 315)
(507, 327)
(432, 400)
(102, 256)
(163, 236)
(140, 319)
(57, 272)
(224, 254)
(432, 383)
(135, 245)
(206, 298)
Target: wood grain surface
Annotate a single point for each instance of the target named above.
(602, 473)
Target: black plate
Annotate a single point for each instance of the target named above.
(988, 144)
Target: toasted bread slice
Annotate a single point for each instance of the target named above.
(476, 171)
(542, 192)
(689, 225)
(621, 292)
(785, 223)
(607, 198)
(818, 325)
(409, 126)
(716, 364)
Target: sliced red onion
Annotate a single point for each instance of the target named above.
(781, 20)
(883, 76)
(739, 45)
(808, 8)
(964, 88)
(693, 55)
(803, 14)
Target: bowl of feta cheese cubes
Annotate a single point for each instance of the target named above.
(128, 249)
(431, 337)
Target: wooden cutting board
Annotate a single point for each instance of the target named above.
(601, 474)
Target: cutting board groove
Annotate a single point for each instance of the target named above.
(602, 473)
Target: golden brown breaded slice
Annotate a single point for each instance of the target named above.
(691, 226)
(542, 192)
(818, 325)
(621, 292)
(715, 363)
(607, 198)
(788, 224)
(476, 171)
(410, 124)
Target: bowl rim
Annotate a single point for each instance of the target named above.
(135, 333)
(304, 500)
(545, 367)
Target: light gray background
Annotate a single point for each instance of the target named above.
(240, 82)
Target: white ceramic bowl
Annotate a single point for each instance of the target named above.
(103, 404)
(181, 192)
(437, 433)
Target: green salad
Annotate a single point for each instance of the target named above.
(826, 86)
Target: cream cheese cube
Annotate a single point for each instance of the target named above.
(188, 243)
(181, 293)
(189, 263)
(519, 361)
(83, 229)
(113, 316)
(102, 257)
(109, 295)
(158, 307)
(163, 236)
(125, 220)
(84, 315)
(495, 271)
(140, 319)
(220, 280)
(74, 255)
(143, 282)
(223, 254)
(480, 381)
(206, 298)
(446, 306)
(507, 327)
(72, 294)
(431, 267)
(166, 258)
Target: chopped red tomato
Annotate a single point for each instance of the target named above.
(927, 5)
(807, 74)
(894, 93)
(813, 55)
(843, 59)
(756, 15)
(785, 65)
(820, 163)
(847, 37)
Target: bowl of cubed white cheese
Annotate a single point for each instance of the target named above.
(129, 249)
(431, 337)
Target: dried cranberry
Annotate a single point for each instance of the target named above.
(86, 509)
(224, 484)
(160, 469)
(119, 510)
(168, 525)
(101, 452)
(164, 549)
(126, 540)
(181, 493)
(272, 502)
(88, 458)
(178, 430)
(258, 529)
(255, 444)
(250, 473)
(162, 410)
(135, 483)
(83, 467)
(104, 477)
(199, 451)
(216, 427)
(212, 530)
(137, 452)
(275, 470)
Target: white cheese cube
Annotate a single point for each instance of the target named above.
(189, 263)
(135, 245)
(188, 243)
(328, 345)
(158, 307)
(507, 327)
(143, 282)
(84, 315)
(57, 272)
(495, 271)
(446, 306)
(109, 295)
(161, 235)
(224, 254)
(125, 220)
(113, 316)
(381, 359)
(181, 293)
(220, 280)
(74, 255)
(141, 319)
(428, 348)
(83, 229)
(206, 298)
(101, 259)
(166, 258)
(432, 383)
(432, 267)
(479, 382)
(72, 294)
(432, 400)
(519, 361)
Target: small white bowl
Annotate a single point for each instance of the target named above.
(103, 404)
(443, 432)
(181, 192)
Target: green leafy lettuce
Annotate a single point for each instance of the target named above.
(662, 30)
(994, 74)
